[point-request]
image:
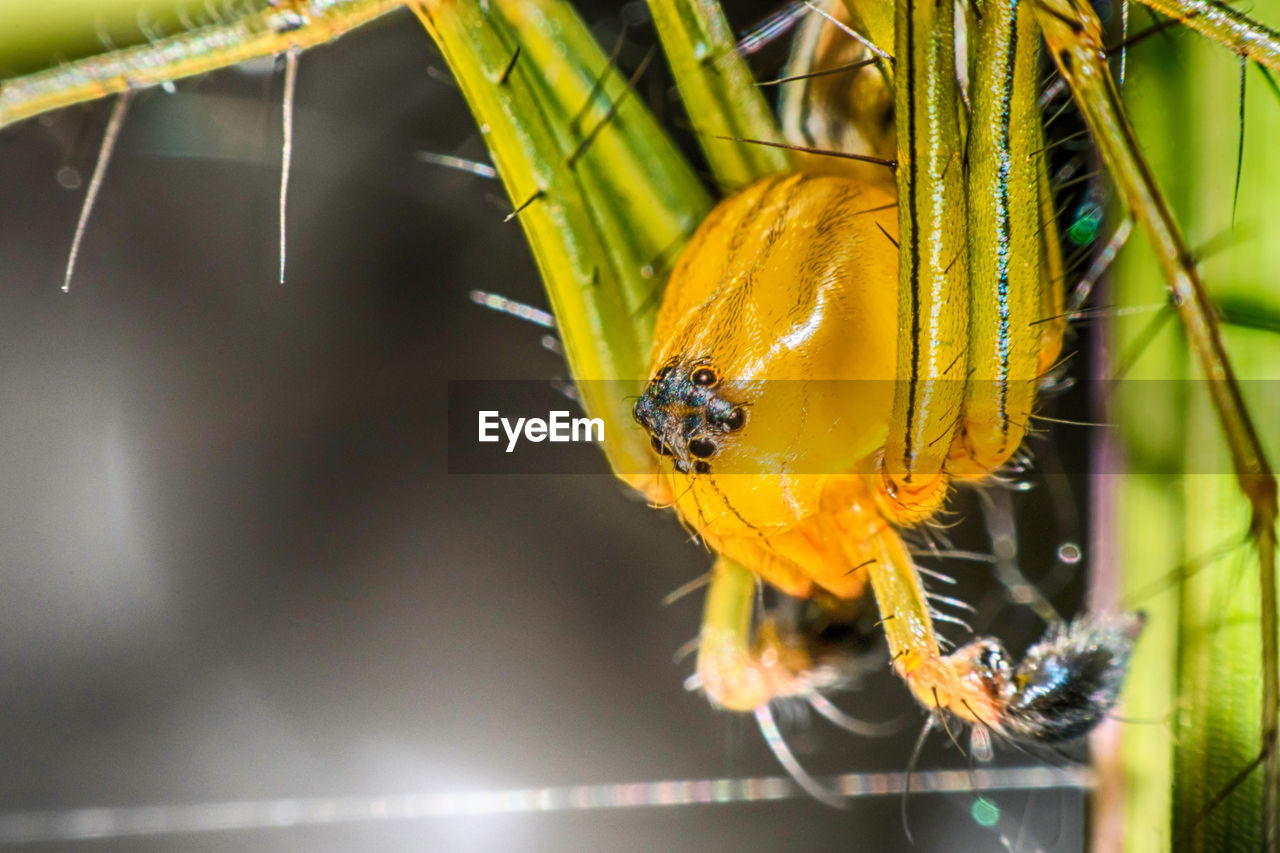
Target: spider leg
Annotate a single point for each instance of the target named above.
(1232, 29)
(737, 671)
(933, 299)
(1007, 350)
(276, 29)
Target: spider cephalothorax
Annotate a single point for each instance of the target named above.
(686, 414)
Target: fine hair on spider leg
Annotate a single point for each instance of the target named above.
(773, 27)
(109, 138)
(286, 145)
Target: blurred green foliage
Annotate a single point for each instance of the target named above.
(1195, 687)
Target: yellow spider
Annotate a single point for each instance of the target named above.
(833, 349)
(810, 410)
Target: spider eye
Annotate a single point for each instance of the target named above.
(702, 448)
(705, 377)
(991, 658)
(701, 467)
(735, 420)
(660, 446)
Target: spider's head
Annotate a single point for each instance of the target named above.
(686, 415)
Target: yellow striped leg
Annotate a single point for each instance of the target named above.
(933, 299)
(1005, 274)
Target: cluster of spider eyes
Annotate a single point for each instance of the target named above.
(720, 414)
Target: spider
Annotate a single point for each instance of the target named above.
(964, 375)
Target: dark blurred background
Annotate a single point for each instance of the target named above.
(233, 565)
